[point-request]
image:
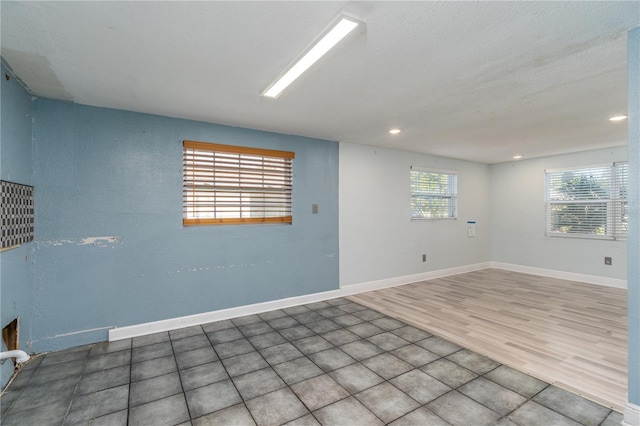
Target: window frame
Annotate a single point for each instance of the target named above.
(614, 182)
(451, 194)
(241, 179)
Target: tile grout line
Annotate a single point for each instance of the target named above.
(175, 360)
(13, 376)
(130, 379)
(75, 388)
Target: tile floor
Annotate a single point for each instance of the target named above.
(328, 363)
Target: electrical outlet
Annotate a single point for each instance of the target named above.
(607, 261)
(314, 209)
(424, 257)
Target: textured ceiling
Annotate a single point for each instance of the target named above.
(479, 81)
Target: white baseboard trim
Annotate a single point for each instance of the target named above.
(206, 317)
(631, 415)
(410, 279)
(569, 276)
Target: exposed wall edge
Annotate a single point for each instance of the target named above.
(570, 276)
(206, 317)
(631, 415)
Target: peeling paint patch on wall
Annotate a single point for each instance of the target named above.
(99, 241)
(88, 334)
(111, 241)
(72, 333)
(220, 267)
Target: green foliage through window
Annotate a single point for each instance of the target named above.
(589, 202)
(434, 195)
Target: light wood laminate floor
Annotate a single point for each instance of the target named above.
(571, 334)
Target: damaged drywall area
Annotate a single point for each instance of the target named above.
(110, 241)
(221, 267)
(63, 340)
(100, 241)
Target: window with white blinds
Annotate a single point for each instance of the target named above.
(225, 184)
(589, 202)
(434, 194)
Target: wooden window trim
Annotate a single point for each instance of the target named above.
(205, 146)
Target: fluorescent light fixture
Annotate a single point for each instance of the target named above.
(517, 157)
(394, 131)
(618, 118)
(337, 33)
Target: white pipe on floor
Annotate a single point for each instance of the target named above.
(21, 356)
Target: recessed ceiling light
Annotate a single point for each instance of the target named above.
(618, 118)
(338, 32)
(517, 157)
(394, 131)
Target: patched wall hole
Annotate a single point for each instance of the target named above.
(10, 335)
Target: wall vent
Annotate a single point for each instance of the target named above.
(16, 215)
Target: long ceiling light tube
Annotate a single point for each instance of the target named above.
(333, 37)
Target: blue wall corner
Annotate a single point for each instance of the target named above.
(633, 240)
(110, 247)
(15, 166)
(16, 112)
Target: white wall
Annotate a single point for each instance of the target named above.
(377, 238)
(518, 219)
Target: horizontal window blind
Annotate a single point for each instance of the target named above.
(225, 184)
(587, 202)
(621, 203)
(434, 194)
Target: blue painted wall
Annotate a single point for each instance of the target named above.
(111, 173)
(633, 242)
(15, 166)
